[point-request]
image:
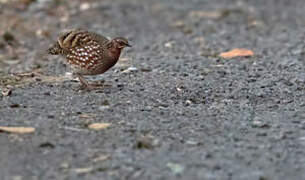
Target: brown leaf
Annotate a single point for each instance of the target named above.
(237, 53)
(99, 126)
(17, 130)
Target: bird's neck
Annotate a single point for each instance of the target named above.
(115, 52)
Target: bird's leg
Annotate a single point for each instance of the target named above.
(86, 84)
(83, 81)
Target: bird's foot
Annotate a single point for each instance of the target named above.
(94, 85)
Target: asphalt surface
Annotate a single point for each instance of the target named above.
(176, 109)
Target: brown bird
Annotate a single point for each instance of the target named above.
(88, 53)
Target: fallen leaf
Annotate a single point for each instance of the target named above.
(99, 126)
(101, 158)
(83, 170)
(125, 59)
(87, 115)
(29, 74)
(17, 130)
(237, 53)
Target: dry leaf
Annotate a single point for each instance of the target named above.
(29, 74)
(17, 130)
(125, 59)
(83, 170)
(206, 14)
(87, 115)
(101, 158)
(237, 53)
(99, 126)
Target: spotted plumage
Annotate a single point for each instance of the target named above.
(88, 53)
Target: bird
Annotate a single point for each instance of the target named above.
(88, 53)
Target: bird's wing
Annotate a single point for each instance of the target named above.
(99, 38)
(80, 38)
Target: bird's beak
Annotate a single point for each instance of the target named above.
(128, 45)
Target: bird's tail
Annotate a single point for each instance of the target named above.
(54, 49)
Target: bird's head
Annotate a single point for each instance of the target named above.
(120, 42)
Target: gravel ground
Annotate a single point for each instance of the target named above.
(176, 109)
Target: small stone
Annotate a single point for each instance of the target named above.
(14, 105)
(104, 105)
(84, 6)
(146, 142)
(175, 167)
(64, 165)
(260, 124)
(130, 69)
(6, 91)
(191, 143)
(188, 102)
(168, 44)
